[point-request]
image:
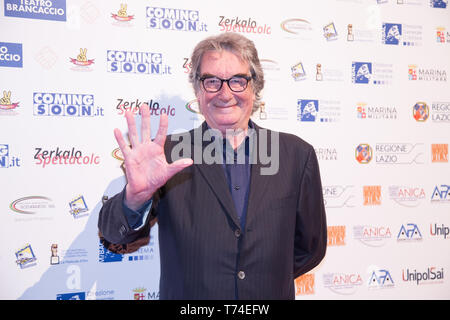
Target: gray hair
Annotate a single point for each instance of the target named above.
(238, 45)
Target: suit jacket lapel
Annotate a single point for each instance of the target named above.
(215, 176)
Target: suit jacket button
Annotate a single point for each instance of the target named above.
(241, 275)
(237, 233)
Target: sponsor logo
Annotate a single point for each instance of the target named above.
(136, 62)
(297, 28)
(441, 231)
(31, 204)
(432, 275)
(380, 279)
(64, 157)
(71, 296)
(410, 233)
(363, 153)
(308, 110)
(442, 36)
(174, 19)
(416, 73)
(439, 4)
(330, 32)
(356, 33)
(36, 9)
(326, 154)
(338, 196)
(242, 25)
(406, 195)
(401, 34)
(154, 106)
(6, 159)
(144, 253)
(82, 63)
(7, 107)
(187, 65)
(324, 73)
(142, 294)
(336, 235)
(441, 194)
(363, 111)
(122, 16)
(304, 285)
(421, 112)
(372, 195)
(65, 104)
(25, 257)
(399, 153)
(11, 55)
(342, 283)
(78, 207)
(440, 112)
(372, 73)
(372, 236)
(439, 152)
(298, 72)
(69, 256)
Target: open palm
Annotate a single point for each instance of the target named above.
(146, 166)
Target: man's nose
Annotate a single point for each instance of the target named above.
(225, 92)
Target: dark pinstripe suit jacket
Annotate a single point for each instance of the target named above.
(205, 255)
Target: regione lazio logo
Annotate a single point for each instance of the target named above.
(11, 55)
(36, 9)
(421, 111)
(363, 153)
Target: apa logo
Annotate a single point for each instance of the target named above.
(421, 111)
(305, 284)
(380, 279)
(441, 193)
(372, 195)
(122, 15)
(307, 110)
(392, 33)
(361, 72)
(439, 152)
(6, 105)
(363, 153)
(6, 159)
(82, 62)
(409, 233)
(11, 55)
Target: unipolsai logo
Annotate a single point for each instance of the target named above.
(11, 55)
(432, 275)
(439, 231)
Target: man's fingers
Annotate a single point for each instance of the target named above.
(121, 141)
(132, 131)
(145, 123)
(162, 130)
(179, 165)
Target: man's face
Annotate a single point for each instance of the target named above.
(225, 109)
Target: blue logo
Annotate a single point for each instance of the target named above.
(11, 55)
(6, 160)
(438, 3)
(43, 9)
(307, 110)
(65, 104)
(381, 279)
(25, 257)
(361, 72)
(71, 296)
(409, 233)
(136, 62)
(392, 33)
(174, 19)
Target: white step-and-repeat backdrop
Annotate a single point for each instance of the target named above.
(365, 81)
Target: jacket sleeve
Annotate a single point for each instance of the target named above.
(113, 223)
(311, 228)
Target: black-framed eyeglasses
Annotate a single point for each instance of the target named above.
(236, 83)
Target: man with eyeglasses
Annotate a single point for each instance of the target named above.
(226, 230)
